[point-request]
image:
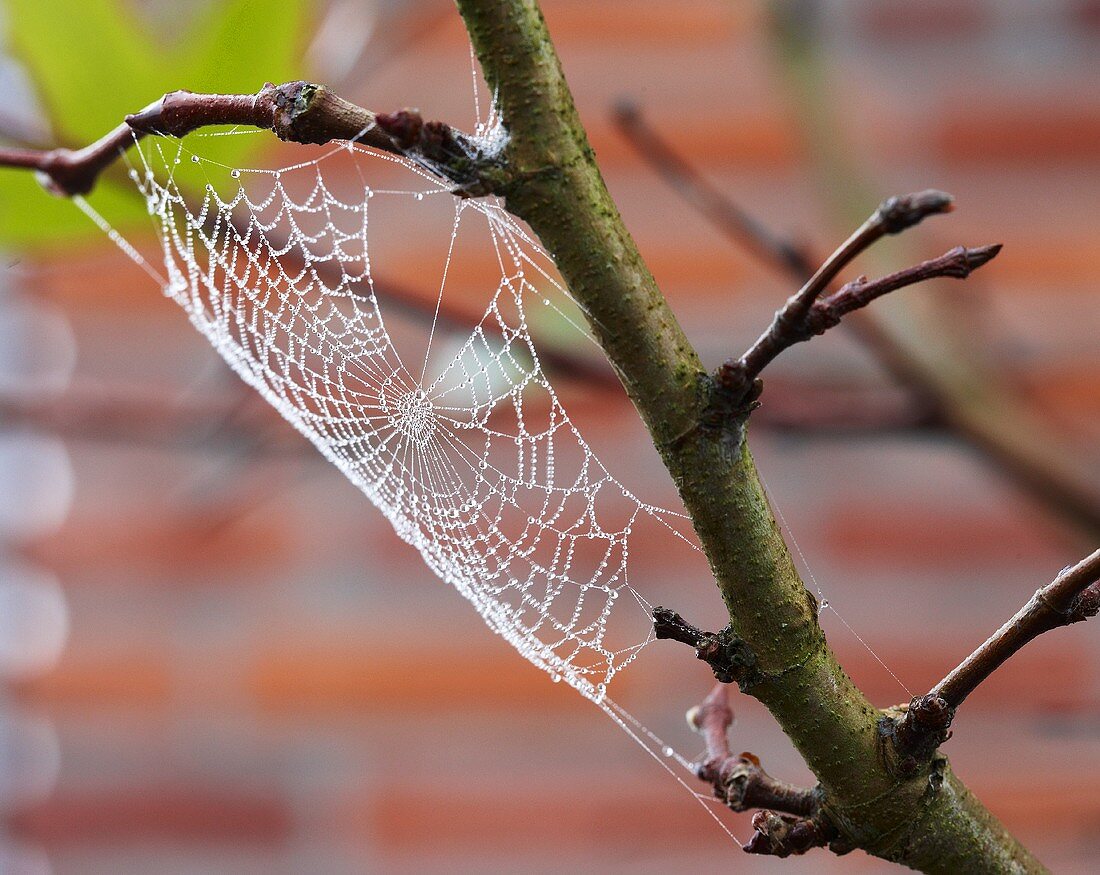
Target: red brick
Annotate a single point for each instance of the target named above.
(1073, 388)
(1019, 133)
(161, 546)
(763, 141)
(155, 813)
(905, 21)
(404, 674)
(685, 25)
(1025, 680)
(1035, 257)
(868, 533)
(1066, 809)
(551, 814)
(129, 680)
(1087, 15)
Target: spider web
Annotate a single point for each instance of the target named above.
(455, 433)
(465, 447)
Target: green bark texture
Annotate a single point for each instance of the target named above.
(930, 821)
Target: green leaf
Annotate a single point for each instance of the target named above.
(239, 46)
(88, 61)
(243, 43)
(93, 61)
(32, 218)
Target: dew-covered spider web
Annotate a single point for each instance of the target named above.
(452, 426)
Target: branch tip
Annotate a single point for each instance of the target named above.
(784, 835)
(896, 214)
(727, 655)
(1073, 596)
(981, 255)
(144, 120)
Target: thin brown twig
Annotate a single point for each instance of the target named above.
(738, 780)
(299, 112)
(780, 253)
(993, 424)
(303, 113)
(957, 263)
(807, 314)
(790, 819)
(723, 651)
(737, 224)
(1073, 596)
(892, 216)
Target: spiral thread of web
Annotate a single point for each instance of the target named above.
(462, 453)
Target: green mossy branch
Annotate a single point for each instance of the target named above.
(928, 821)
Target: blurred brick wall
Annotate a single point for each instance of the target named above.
(236, 691)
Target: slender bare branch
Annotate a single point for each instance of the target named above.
(996, 426)
(299, 112)
(737, 224)
(894, 215)
(303, 113)
(724, 652)
(957, 263)
(1073, 596)
(790, 820)
(739, 781)
(68, 172)
(797, 322)
(811, 311)
(797, 319)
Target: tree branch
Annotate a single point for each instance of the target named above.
(727, 216)
(299, 112)
(791, 820)
(739, 781)
(726, 654)
(971, 409)
(1072, 597)
(957, 263)
(807, 313)
(558, 190)
(547, 174)
(893, 216)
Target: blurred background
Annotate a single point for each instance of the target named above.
(203, 626)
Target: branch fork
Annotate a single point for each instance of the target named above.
(918, 730)
(813, 309)
(789, 819)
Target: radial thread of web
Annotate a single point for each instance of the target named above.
(459, 449)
